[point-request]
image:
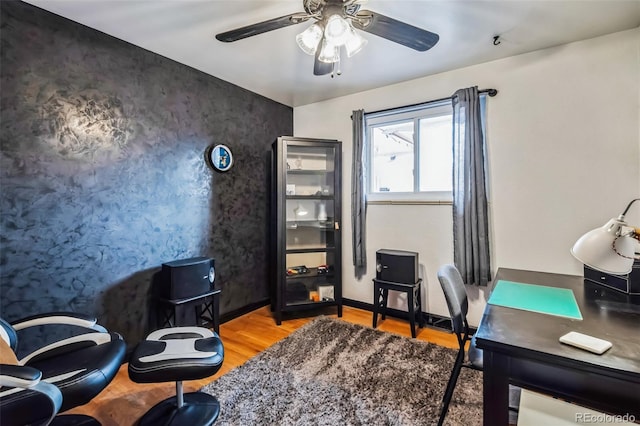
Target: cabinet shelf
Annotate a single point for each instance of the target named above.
(310, 250)
(313, 273)
(311, 303)
(310, 197)
(294, 172)
(314, 224)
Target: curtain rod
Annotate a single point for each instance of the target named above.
(490, 92)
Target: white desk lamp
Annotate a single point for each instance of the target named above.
(611, 248)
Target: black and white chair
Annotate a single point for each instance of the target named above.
(80, 367)
(28, 400)
(174, 355)
(458, 305)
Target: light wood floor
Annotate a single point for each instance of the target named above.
(124, 401)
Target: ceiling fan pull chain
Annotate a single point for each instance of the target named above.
(336, 67)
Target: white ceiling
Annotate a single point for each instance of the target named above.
(272, 65)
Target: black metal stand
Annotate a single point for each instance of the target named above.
(414, 301)
(206, 307)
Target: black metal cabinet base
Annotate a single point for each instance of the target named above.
(323, 308)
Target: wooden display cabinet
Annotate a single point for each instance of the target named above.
(306, 220)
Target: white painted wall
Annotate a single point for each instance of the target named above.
(564, 157)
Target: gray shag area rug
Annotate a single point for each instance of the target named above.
(331, 372)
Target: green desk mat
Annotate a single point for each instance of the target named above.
(536, 298)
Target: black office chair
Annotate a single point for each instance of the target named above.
(80, 367)
(36, 402)
(456, 296)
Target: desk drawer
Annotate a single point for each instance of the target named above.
(629, 283)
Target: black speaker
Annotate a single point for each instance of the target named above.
(397, 266)
(185, 278)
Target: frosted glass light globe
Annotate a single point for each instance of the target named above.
(309, 39)
(337, 30)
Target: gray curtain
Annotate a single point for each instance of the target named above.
(358, 195)
(470, 215)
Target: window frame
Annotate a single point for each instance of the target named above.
(401, 115)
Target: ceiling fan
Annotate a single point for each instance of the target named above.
(334, 28)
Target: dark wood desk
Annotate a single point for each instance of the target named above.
(522, 348)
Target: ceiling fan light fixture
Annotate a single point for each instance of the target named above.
(309, 39)
(329, 53)
(355, 42)
(337, 30)
(337, 23)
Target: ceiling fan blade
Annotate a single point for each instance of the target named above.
(321, 68)
(394, 30)
(262, 27)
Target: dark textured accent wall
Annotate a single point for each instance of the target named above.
(103, 175)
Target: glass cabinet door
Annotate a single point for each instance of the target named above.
(310, 191)
(310, 223)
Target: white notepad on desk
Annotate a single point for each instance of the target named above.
(588, 343)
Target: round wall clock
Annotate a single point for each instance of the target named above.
(220, 158)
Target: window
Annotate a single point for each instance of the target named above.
(410, 153)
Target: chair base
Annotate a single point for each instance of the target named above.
(74, 420)
(198, 409)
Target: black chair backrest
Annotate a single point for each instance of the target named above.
(456, 296)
